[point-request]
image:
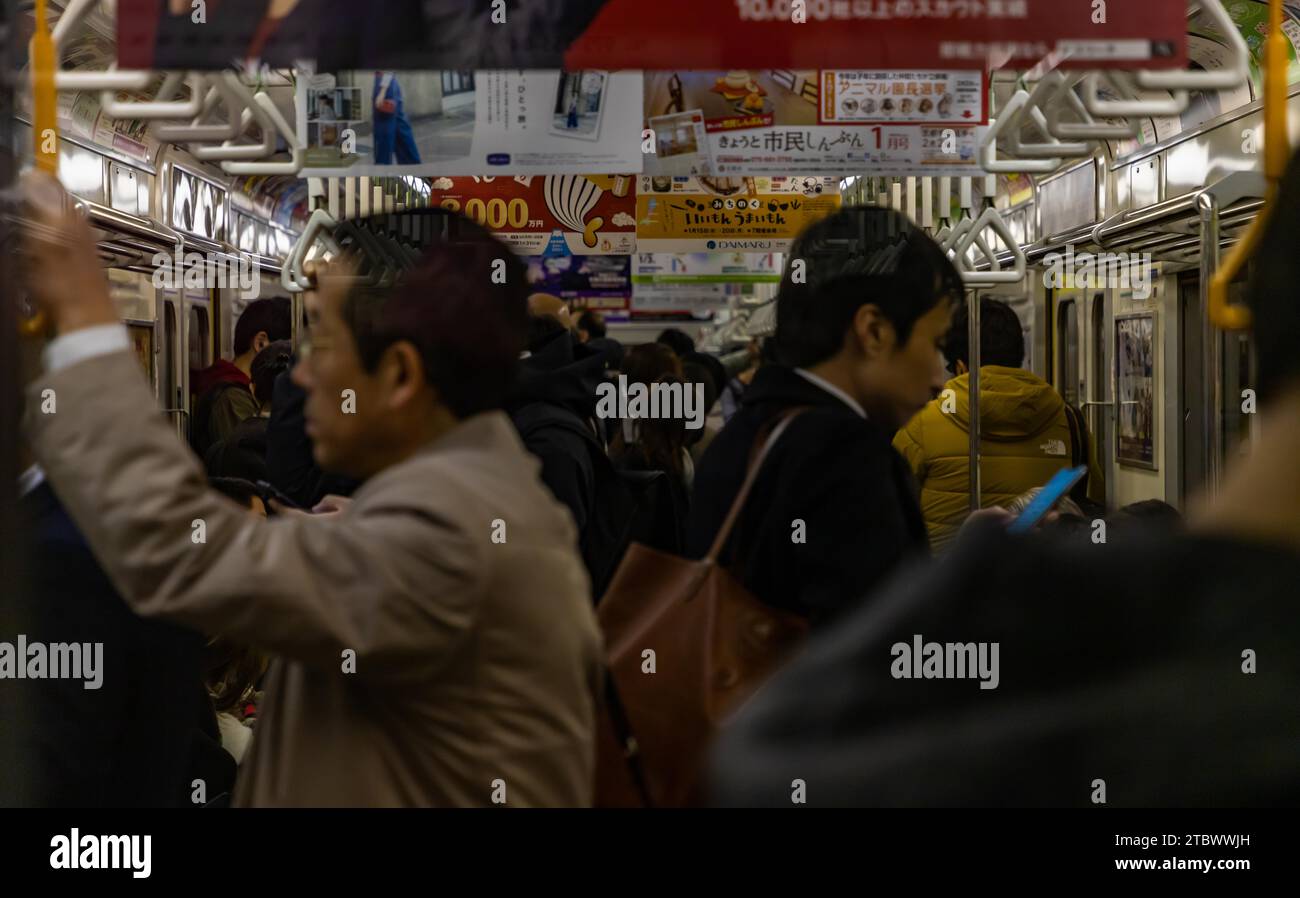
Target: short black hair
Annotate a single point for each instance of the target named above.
(1271, 295)
(592, 322)
(717, 371)
(1002, 339)
(1153, 510)
(236, 488)
(542, 329)
(463, 306)
(694, 372)
(274, 359)
(861, 255)
(677, 340)
(275, 316)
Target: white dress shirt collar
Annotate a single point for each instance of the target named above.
(829, 387)
(29, 480)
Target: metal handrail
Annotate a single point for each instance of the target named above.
(989, 218)
(195, 131)
(249, 110)
(137, 226)
(160, 106)
(1135, 107)
(1086, 128)
(274, 121)
(1226, 78)
(988, 150)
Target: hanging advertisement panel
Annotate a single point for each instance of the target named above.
(602, 34)
(827, 122)
(692, 282)
(591, 282)
(591, 214)
(384, 123)
(711, 214)
(707, 268)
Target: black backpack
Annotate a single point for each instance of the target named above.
(623, 502)
(1079, 456)
(200, 440)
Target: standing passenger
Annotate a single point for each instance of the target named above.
(222, 394)
(436, 644)
(554, 409)
(1027, 433)
(242, 454)
(1126, 672)
(861, 313)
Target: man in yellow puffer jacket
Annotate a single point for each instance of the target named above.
(1025, 435)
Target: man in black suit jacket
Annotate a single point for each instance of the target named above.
(862, 310)
(135, 741)
(1134, 670)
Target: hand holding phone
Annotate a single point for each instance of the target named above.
(1052, 492)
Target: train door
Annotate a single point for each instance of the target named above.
(1240, 423)
(1099, 404)
(1225, 424)
(1066, 371)
(199, 349)
(171, 363)
(1193, 398)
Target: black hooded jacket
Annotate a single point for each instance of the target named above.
(552, 405)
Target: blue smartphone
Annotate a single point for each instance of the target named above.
(1051, 493)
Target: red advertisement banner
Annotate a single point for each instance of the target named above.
(665, 34)
(592, 214)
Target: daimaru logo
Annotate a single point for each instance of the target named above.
(740, 244)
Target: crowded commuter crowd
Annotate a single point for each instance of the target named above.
(394, 560)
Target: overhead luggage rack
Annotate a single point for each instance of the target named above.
(129, 241)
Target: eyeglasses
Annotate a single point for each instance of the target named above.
(309, 345)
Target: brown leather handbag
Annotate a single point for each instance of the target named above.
(685, 644)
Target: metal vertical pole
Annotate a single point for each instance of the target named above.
(973, 338)
(1211, 343)
(15, 785)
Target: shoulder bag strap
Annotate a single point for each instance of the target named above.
(774, 431)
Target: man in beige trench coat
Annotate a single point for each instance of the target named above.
(436, 643)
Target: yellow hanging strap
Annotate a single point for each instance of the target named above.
(45, 127)
(1276, 151)
(45, 112)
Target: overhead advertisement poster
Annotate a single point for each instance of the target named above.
(586, 214)
(713, 214)
(590, 282)
(384, 123)
(693, 282)
(607, 34)
(828, 122)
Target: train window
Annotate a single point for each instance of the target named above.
(457, 82)
(199, 352)
(142, 342)
(182, 200)
(1067, 352)
(167, 386)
